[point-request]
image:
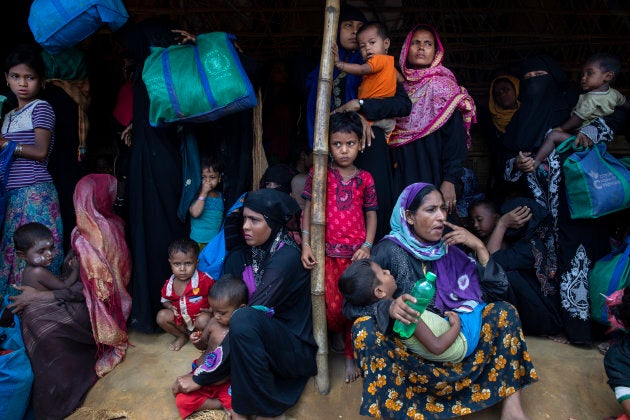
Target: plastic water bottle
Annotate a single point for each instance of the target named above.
(423, 291)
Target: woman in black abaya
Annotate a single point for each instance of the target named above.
(578, 242)
(154, 185)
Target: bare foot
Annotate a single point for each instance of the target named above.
(512, 408)
(352, 371)
(603, 347)
(338, 343)
(178, 343)
(560, 338)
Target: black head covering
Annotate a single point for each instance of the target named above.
(138, 38)
(277, 207)
(543, 106)
(349, 12)
(281, 174)
(548, 64)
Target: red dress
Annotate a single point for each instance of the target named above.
(346, 204)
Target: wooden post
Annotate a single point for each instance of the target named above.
(318, 219)
(259, 159)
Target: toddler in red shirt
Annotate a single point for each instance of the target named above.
(185, 293)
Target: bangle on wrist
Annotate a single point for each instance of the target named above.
(367, 245)
(306, 243)
(18, 150)
(201, 198)
(306, 232)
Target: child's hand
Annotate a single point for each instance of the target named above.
(206, 187)
(308, 258)
(73, 263)
(453, 318)
(361, 253)
(195, 337)
(582, 140)
(335, 51)
(174, 310)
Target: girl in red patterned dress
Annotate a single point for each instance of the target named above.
(350, 223)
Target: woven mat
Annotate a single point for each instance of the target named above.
(87, 413)
(209, 415)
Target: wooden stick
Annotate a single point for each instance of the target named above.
(318, 219)
(259, 159)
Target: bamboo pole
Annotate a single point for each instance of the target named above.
(318, 219)
(259, 158)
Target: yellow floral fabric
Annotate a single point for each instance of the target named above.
(401, 385)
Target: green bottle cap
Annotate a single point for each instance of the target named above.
(430, 276)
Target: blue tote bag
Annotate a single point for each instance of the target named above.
(60, 24)
(212, 257)
(597, 183)
(609, 274)
(16, 374)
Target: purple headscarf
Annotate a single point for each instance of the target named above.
(457, 280)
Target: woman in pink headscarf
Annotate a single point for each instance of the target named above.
(431, 144)
(65, 330)
(99, 240)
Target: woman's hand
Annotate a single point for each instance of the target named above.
(525, 162)
(345, 107)
(401, 311)
(308, 258)
(448, 192)
(368, 134)
(459, 235)
(125, 136)
(185, 384)
(516, 218)
(184, 36)
(28, 295)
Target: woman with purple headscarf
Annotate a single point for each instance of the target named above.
(399, 384)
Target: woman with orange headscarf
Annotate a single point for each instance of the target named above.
(502, 104)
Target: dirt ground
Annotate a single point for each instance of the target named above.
(572, 385)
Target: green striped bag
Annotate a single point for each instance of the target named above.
(197, 82)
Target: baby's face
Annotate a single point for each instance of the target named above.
(594, 77)
(41, 253)
(371, 43)
(222, 310)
